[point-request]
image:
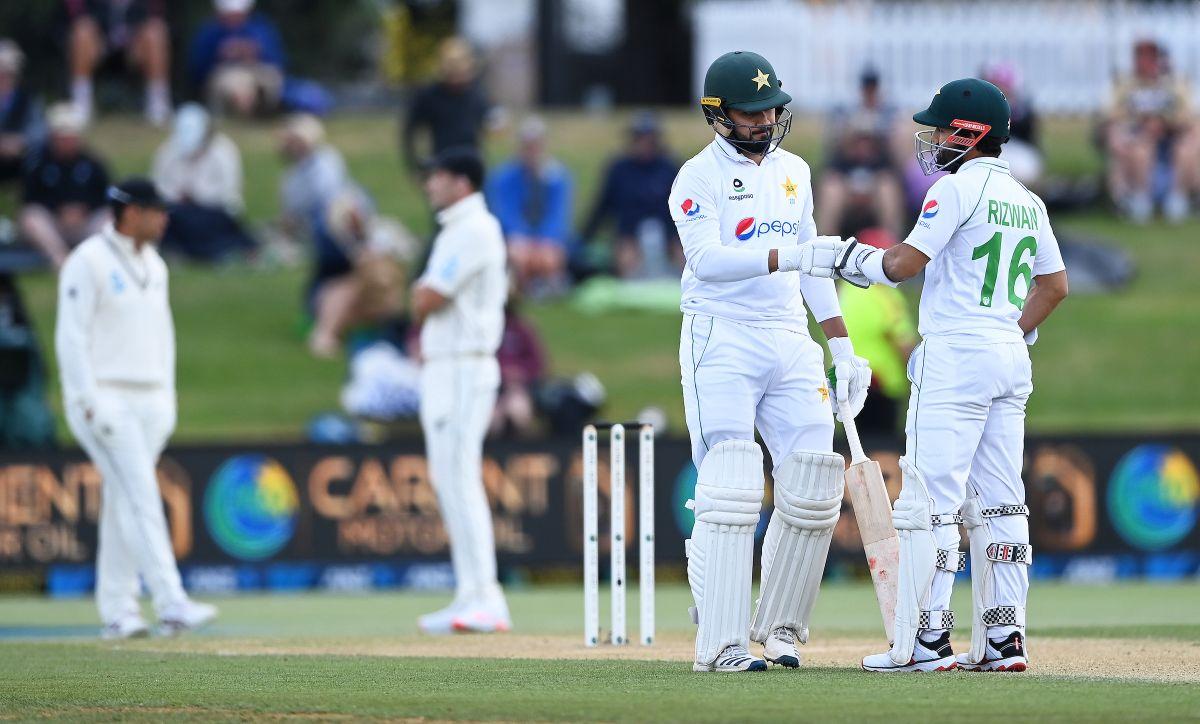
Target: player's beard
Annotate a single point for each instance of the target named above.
(757, 140)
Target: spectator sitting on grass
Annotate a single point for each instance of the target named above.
(65, 189)
(21, 123)
(99, 29)
(237, 60)
(1151, 132)
(453, 110)
(634, 197)
(199, 171)
(860, 184)
(531, 196)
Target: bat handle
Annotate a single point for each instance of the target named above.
(857, 455)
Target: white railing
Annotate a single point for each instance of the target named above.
(1067, 51)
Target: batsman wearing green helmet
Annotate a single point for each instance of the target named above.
(744, 211)
(993, 273)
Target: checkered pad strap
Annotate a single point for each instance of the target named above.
(936, 619)
(1005, 510)
(946, 519)
(951, 560)
(1004, 616)
(1010, 553)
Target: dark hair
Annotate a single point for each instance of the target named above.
(461, 161)
(990, 145)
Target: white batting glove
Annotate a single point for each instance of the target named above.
(815, 257)
(852, 377)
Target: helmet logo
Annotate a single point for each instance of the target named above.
(745, 228)
(689, 207)
(762, 79)
(710, 101)
(930, 210)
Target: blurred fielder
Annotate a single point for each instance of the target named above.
(460, 301)
(743, 206)
(993, 273)
(116, 354)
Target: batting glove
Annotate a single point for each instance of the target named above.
(851, 375)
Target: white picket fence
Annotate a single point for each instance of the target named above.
(1067, 51)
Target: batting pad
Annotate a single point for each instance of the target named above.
(729, 491)
(1000, 559)
(808, 501)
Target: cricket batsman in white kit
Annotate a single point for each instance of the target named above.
(993, 273)
(115, 343)
(744, 211)
(459, 301)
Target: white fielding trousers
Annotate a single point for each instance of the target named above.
(966, 430)
(458, 395)
(128, 431)
(737, 378)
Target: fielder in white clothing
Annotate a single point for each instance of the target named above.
(460, 302)
(993, 273)
(116, 354)
(743, 207)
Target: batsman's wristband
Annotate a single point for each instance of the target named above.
(866, 261)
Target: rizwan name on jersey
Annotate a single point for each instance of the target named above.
(1014, 215)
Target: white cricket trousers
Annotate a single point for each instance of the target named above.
(129, 428)
(737, 378)
(966, 430)
(458, 395)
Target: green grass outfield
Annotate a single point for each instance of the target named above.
(1121, 362)
(335, 655)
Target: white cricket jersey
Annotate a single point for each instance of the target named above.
(114, 318)
(467, 267)
(987, 236)
(723, 199)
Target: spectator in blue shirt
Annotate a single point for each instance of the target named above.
(237, 59)
(634, 198)
(531, 196)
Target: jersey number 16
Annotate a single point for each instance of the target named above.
(1017, 269)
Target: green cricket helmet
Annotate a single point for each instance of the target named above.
(745, 81)
(973, 109)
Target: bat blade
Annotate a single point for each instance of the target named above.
(873, 511)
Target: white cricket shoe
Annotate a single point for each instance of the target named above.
(1005, 655)
(128, 626)
(927, 656)
(485, 618)
(734, 658)
(441, 621)
(187, 615)
(780, 648)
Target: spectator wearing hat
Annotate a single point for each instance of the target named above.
(531, 195)
(883, 331)
(237, 60)
(64, 189)
(860, 184)
(115, 343)
(199, 171)
(452, 111)
(1152, 139)
(137, 29)
(633, 197)
(21, 124)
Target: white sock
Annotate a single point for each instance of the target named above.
(930, 635)
(999, 633)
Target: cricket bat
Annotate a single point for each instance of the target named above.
(873, 511)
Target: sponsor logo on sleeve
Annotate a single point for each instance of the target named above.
(689, 207)
(930, 209)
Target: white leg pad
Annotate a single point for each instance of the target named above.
(920, 559)
(999, 538)
(729, 490)
(808, 501)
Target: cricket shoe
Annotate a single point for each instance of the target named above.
(440, 622)
(927, 656)
(482, 619)
(780, 648)
(187, 615)
(734, 658)
(1005, 655)
(128, 626)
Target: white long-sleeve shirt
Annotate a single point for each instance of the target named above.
(467, 266)
(211, 178)
(114, 318)
(730, 212)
